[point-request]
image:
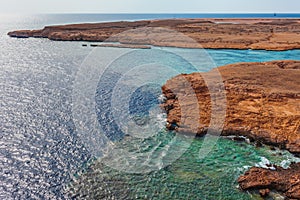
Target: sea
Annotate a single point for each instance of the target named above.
(47, 146)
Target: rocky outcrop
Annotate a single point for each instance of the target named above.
(269, 34)
(131, 46)
(286, 181)
(262, 103)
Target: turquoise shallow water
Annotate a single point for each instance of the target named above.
(189, 177)
(42, 156)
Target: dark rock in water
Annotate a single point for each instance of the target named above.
(264, 192)
(121, 46)
(84, 45)
(19, 35)
(272, 148)
(240, 139)
(258, 144)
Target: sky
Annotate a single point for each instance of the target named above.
(150, 6)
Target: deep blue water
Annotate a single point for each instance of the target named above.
(41, 153)
(51, 19)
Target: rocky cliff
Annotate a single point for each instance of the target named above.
(286, 181)
(268, 34)
(262, 103)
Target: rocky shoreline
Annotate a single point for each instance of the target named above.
(267, 34)
(286, 181)
(262, 99)
(262, 103)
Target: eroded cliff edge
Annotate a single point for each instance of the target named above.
(268, 34)
(262, 103)
(286, 181)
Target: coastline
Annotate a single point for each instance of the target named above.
(210, 33)
(74, 33)
(265, 110)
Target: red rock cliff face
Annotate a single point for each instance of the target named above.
(269, 34)
(262, 100)
(262, 103)
(285, 181)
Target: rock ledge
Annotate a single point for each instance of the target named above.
(262, 103)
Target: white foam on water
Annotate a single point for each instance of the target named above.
(162, 98)
(285, 164)
(287, 158)
(265, 163)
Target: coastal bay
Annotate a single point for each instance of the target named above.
(272, 34)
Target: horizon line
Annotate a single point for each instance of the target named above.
(116, 13)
